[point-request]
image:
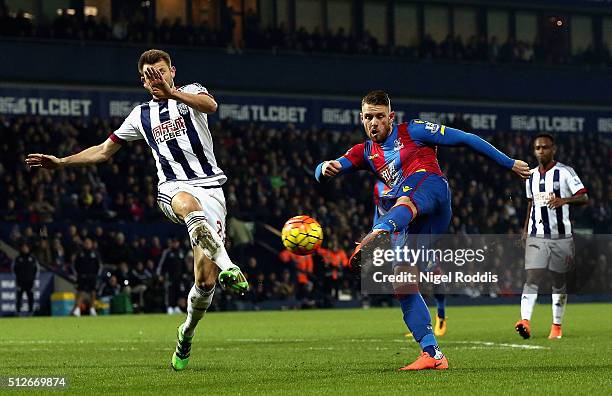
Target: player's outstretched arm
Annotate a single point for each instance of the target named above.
(333, 168)
(91, 155)
(445, 136)
(353, 159)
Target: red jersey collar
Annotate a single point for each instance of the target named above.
(549, 167)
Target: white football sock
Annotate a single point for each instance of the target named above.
(528, 300)
(198, 302)
(221, 258)
(558, 305)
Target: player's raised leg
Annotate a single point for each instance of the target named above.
(202, 234)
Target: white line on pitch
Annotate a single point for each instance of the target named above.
(498, 344)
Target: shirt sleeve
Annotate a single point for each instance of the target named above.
(356, 156)
(129, 129)
(195, 88)
(352, 160)
(572, 181)
(441, 135)
(528, 191)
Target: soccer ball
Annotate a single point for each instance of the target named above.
(302, 235)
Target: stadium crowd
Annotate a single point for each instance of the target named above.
(136, 29)
(114, 205)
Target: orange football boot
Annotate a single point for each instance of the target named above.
(426, 362)
(523, 328)
(376, 238)
(555, 332)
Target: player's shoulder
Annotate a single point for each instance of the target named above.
(136, 110)
(566, 168)
(418, 127)
(193, 87)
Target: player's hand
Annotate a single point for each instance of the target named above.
(331, 168)
(43, 161)
(159, 86)
(556, 202)
(521, 168)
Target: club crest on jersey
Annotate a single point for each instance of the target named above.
(398, 145)
(182, 108)
(168, 130)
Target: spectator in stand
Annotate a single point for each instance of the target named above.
(139, 278)
(119, 251)
(5, 262)
(110, 287)
(285, 288)
(303, 266)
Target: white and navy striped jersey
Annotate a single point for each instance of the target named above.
(559, 181)
(179, 139)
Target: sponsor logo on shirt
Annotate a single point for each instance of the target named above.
(388, 174)
(169, 130)
(542, 198)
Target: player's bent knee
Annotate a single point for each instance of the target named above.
(184, 203)
(406, 201)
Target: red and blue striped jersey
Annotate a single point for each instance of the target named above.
(404, 152)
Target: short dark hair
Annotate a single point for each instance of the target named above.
(152, 56)
(543, 135)
(377, 97)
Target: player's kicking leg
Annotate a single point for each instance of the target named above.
(433, 199)
(202, 234)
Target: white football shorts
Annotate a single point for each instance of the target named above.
(555, 254)
(211, 199)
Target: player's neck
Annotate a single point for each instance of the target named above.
(543, 168)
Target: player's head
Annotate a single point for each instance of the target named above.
(544, 148)
(160, 60)
(376, 115)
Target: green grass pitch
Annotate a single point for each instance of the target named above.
(315, 352)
